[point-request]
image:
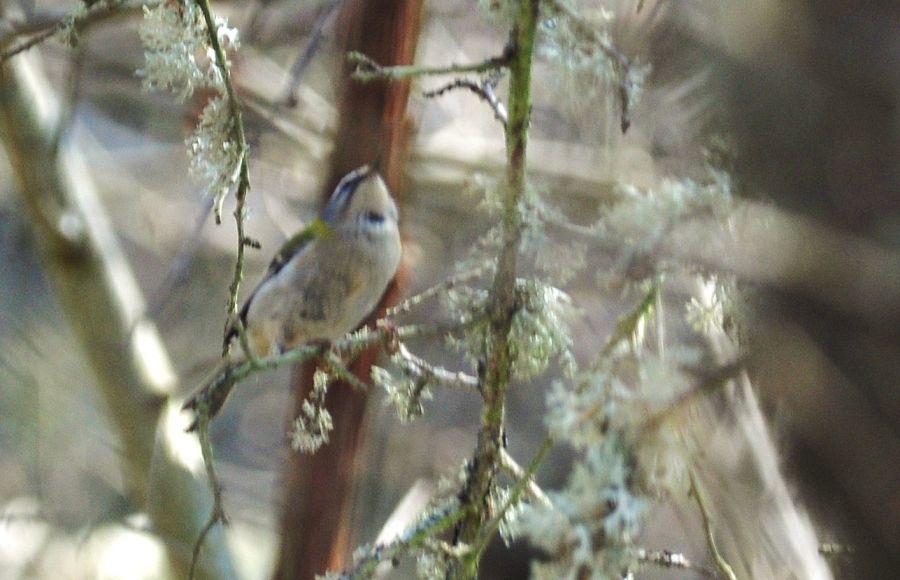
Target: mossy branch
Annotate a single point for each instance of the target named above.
(496, 365)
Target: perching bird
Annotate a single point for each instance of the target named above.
(326, 279)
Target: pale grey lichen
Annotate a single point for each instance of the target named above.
(489, 191)
(501, 499)
(643, 216)
(591, 524)
(582, 416)
(587, 61)
(177, 55)
(561, 261)
(215, 157)
(716, 307)
(312, 428)
(560, 41)
(538, 334)
(404, 392)
(432, 563)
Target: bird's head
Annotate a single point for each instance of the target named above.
(361, 201)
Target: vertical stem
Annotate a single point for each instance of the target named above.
(495, 375)
(243, 186)
(721, 563)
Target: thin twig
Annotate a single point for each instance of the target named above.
(369, 70)
(424, 371)
(412, 538)
(524, 483)
(33, 41)
(218, 510)
(627, 327)
(234, 106)
(449, 283)
(669, 559)
(340, 371)
(721, 563)
(309, 51)
(484, 90)
(77, 18)
(243, 187)
(516, 471)
(709, 383)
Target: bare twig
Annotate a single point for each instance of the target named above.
(369, 70)
(628, 326)
(309, 51)
(79, 17)
(218, 510)
(451, 282)
(203, 408)
(525, 483)
(484, 89)
(709, 383)
(436, 523)
(35, 40)
(515, 470)
(721, 563)
(669, 559)
(340, 371)
(425, 372)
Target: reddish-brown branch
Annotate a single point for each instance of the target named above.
(316, 534)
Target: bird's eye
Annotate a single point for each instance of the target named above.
(373, 217)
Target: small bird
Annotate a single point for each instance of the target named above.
(326, 279)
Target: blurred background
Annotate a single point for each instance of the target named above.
(806, 93)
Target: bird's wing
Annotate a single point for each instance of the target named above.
(292, 247)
